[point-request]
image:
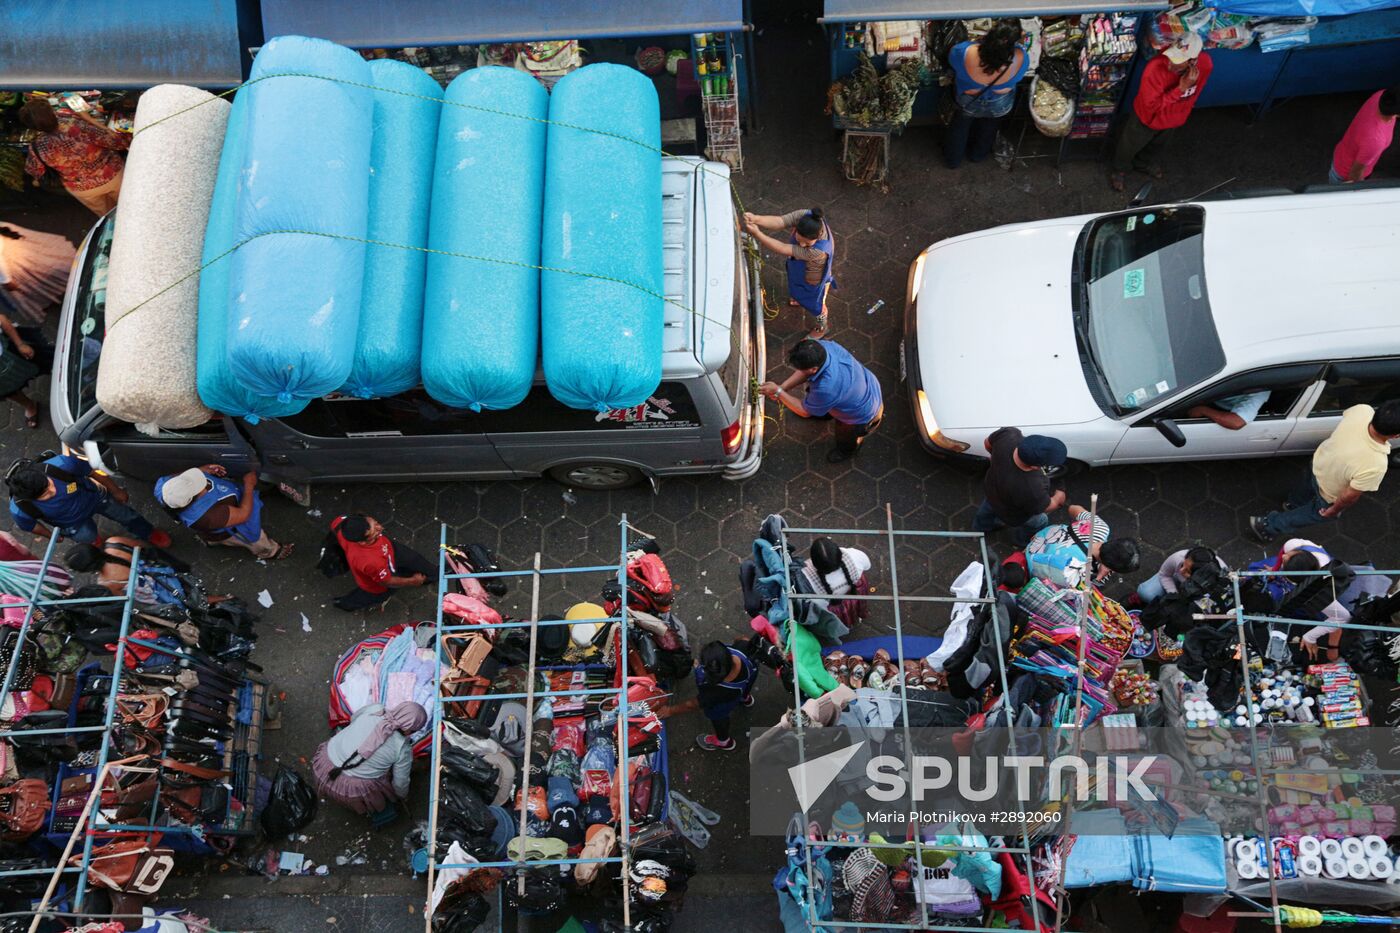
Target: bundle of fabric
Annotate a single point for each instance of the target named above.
(146, 374)
(396, 665)
(603, 283)
(390, 338)
(488, 198)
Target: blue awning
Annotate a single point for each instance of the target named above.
(76, 44)
(876, 11)
(389, 24)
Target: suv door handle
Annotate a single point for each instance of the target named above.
(278, 458)
(1261, 438)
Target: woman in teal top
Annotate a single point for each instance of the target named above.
(985, 75)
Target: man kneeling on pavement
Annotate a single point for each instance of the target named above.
(378, 565)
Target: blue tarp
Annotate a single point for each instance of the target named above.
(119, 44)
(376, 23)
(1305, 7)
(860, 11)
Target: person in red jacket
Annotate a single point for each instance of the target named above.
(1171, 84)
(378, 565)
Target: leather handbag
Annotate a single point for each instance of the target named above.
(28, 664)
(23, 806)
(132, 870)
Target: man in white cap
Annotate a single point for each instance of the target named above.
(205, 500)
(1171, 84)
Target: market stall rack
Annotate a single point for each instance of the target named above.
(34, 607)
(161, 733)
(594, 692)
(802, 847)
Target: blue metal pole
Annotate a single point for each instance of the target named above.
(109, 717)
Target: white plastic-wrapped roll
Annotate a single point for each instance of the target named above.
(146, 374)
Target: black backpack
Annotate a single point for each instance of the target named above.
(543, 892)
(332, 562)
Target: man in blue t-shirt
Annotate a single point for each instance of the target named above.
(838, 387)
(66, 494)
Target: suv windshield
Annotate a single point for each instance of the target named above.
(89, 307)
(1141, 311)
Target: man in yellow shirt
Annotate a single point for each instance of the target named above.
(1350, 462)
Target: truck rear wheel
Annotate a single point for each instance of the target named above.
(598, 476)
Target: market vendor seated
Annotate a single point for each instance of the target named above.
(220, 511)
(1058, 554)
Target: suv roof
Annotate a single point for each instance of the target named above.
(698, 244)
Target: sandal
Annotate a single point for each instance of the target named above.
(283, 552)
(32, 421)
(818, 332)
(1117, 181)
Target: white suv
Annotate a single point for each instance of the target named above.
(1105, 331)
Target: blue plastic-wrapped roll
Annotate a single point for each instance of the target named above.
(481, 320)
(219, 388)
(602, 216)
(390, 336)
(302, 208)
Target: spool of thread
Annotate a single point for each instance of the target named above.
(1334, 868)
(1352, 848)
(1357, 869)
(1311, 845)
(1331, 850)
(1248, 869)
(1380, 867)
(1374, 845)
(1394, 878)
(1309, 866)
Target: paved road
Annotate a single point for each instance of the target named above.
(706, 525)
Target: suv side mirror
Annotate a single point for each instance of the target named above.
(1171, 431)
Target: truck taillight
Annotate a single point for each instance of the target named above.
(732, 436)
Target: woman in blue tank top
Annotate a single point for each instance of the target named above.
(985, 75)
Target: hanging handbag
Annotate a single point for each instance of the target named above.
(28, 664)
(23, 806)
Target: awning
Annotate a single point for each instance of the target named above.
(875, 11)
(389, 24)
(75, 44)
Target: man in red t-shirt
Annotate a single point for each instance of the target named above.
(378, 565)
(1171, 84)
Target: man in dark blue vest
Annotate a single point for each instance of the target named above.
(64, 494)
(219, 510)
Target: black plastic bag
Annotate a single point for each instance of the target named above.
(332, 562)
(290, 806)
(465, 805)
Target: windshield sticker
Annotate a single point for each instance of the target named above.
(1162, 387)
(88, 326)
(1134, 283)
(1134, 398)
(1129, 225)
(1148, 218)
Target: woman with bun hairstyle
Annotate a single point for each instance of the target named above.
(985, 75)
(811, 258)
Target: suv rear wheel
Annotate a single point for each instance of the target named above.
(596, 475)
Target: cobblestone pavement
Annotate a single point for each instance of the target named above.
(706, 525)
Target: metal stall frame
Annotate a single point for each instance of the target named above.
(38, 601)
(891, 535)
(535, 575)
(1264, 776)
